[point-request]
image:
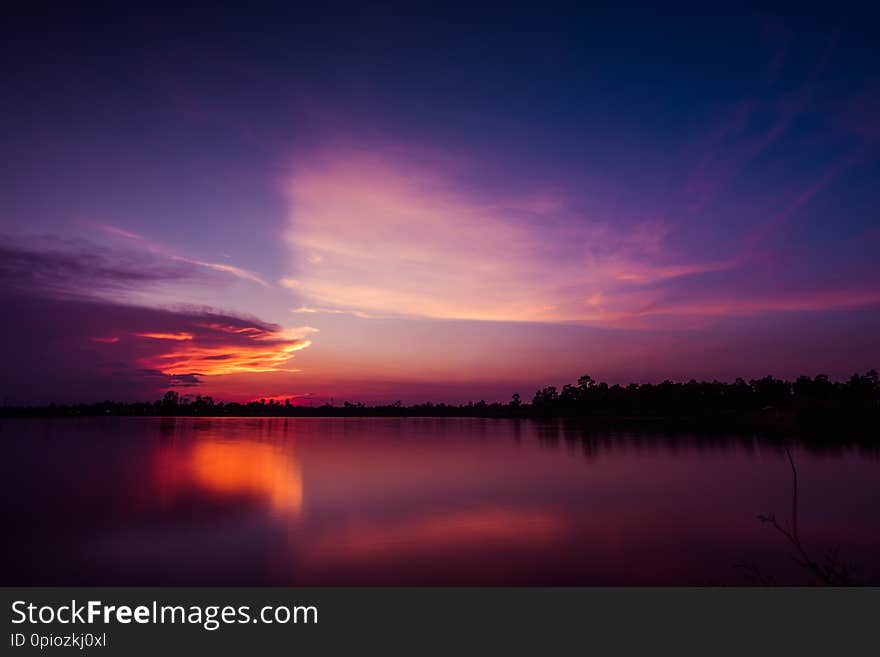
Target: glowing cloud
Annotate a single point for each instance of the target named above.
(165, 336)
(373, 235)
(382, 236)
(218, 349)
(95, 290)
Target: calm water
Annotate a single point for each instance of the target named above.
(415, 501)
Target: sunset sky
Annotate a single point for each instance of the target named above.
(386, 203)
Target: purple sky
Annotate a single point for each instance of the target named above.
(394, 204)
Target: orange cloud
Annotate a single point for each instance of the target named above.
(217, 348)
(226, 359)
(165, 336)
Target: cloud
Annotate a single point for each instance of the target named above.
(86, 269)
(238, 272)
(77, 268)
(164, 336)
(381, 235)
(120, 232)
(73, 335)
(217, 345)
(805, 195)
(330, 311)
(372, 235)
(52, 344)
(672, 313)
(171, 380)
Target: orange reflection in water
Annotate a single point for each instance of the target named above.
(524, 528)
(260, 469)
(257, 468)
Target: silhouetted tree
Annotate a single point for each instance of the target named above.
(815, 405)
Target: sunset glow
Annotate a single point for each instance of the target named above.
(378, 297)
(451, 226)
(234, 469)
(249, 468)
(257, 350)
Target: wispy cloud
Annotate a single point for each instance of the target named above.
(238, 272)
(119, 232)
(83, 269)
(383, 231)
(373, 237)
(330, 311)
(805, 195)
(645, 312)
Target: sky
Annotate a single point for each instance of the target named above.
(391, 201)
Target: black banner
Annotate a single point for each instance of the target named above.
(221, 621)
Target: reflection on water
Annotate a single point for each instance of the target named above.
(259, 469)
(501, 528)
(417, 501)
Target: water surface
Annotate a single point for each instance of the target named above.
(336, 501)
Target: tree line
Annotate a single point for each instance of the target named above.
(805, 401)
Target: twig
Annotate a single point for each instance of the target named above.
(832, 572)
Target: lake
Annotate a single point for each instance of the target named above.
(388, 501)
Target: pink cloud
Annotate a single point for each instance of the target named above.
(120, 232)
(372, 235)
